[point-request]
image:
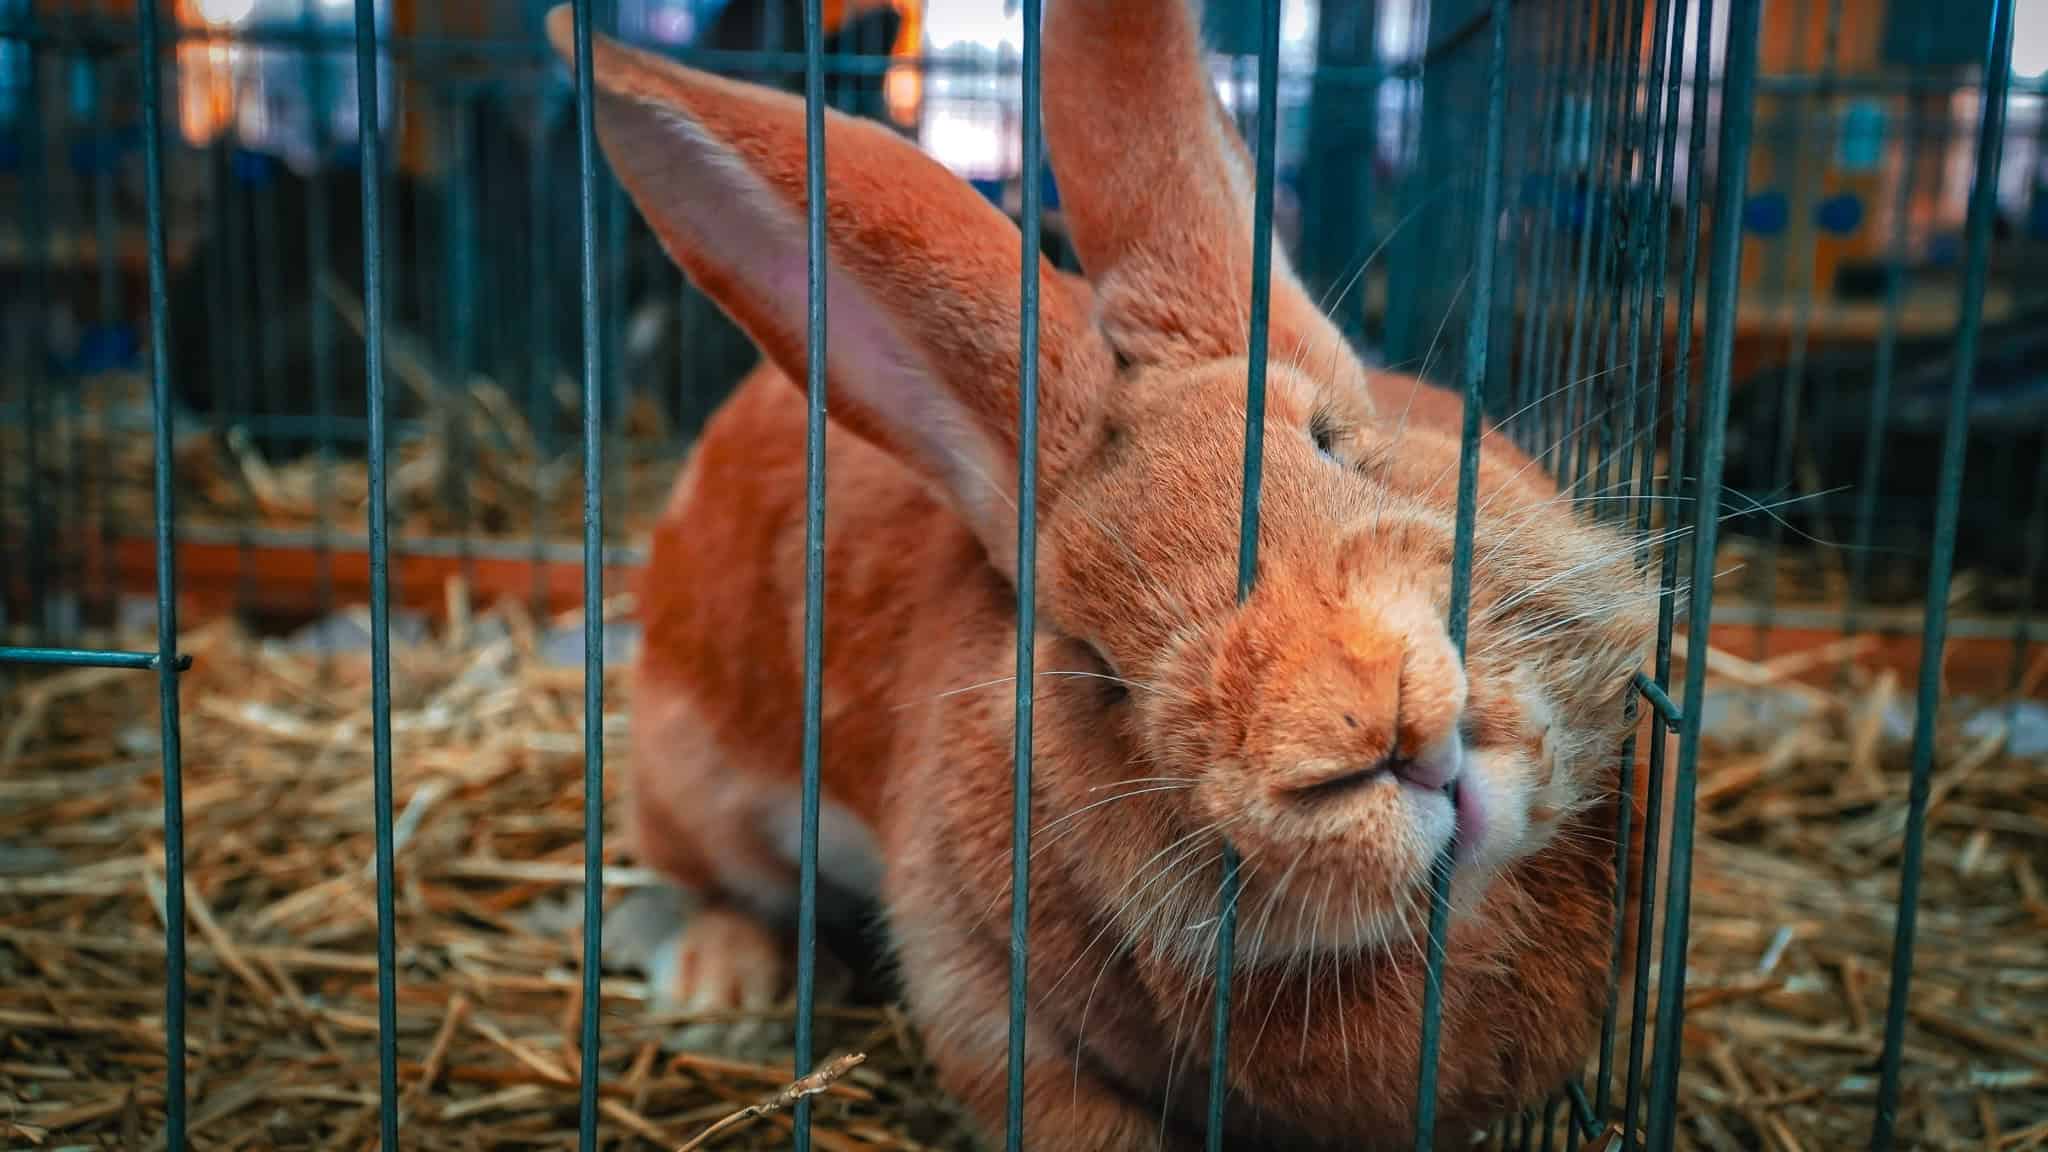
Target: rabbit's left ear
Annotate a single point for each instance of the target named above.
(923, 275)
(1157, 189)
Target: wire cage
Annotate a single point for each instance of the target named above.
(1758, 283)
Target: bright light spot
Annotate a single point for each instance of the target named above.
(1297, 22)
(337, 4)
(2030, 41)
(971, 145)
(225, 13)
(981, 23)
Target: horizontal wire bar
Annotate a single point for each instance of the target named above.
(552, 554)
(88, 658)
(1659, 699)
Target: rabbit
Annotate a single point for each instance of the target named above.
(1314, 727)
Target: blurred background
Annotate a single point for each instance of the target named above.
(1860, 173)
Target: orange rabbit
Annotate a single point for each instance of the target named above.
(1312, 727)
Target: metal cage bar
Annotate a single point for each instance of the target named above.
(814, 550)
(593, 582)
(1027, 573)
(367, 116)
(1264, 163)
(166, 661)
(1477, 333)
(1983, 204)
(1737, 110)
(1667, 715)
(1789, 408)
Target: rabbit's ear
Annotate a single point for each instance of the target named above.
(1156, 186)
(922, 273)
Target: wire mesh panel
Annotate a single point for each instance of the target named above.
(361, 306)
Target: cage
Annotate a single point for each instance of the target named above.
(336, 415)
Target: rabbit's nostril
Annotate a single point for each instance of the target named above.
(1434, 767)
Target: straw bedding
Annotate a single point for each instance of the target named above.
(1801, 811)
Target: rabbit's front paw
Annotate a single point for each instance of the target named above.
(721, 972)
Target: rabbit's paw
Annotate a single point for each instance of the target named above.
(725, 967)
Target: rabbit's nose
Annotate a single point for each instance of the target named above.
(1434, 767)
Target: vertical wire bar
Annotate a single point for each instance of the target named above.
(270, 265)
(1791, 402)
(1258, 338)
(1485, 237)
(32, 318)
(814, 551)
(1659, 119)
(1983, 206)
(168, 735)
(1543, 225)
(1602, 49)
(1397, 323)
(1549, 372)
(1609, 291)
(593, 581)
(460, 195)
(371, 128)
(612, 250)
(1500, 353)
(239, 326)
(106, 227)
(314, 76)
(71, 550)
(1738, 86)
(1871, 478)
(1667, 580)
(1027, 573)
(540, 382)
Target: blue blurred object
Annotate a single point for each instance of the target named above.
(1839, 215)
(1766, 213)
(1863, 130)
(1944, 249)
(91, 155)
(252, 168)
(107, 348)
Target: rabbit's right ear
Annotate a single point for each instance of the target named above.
(923, 275)
(1156, 186)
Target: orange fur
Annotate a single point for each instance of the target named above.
(1299, 725)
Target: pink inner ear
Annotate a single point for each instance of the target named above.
(718, 217)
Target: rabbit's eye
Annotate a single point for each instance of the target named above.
(1323, 430)
(1115, 687)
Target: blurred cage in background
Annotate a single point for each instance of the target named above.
(1861, 171)
(1842, 334)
